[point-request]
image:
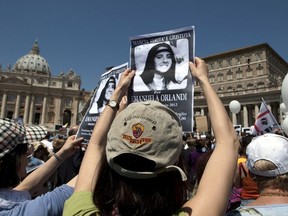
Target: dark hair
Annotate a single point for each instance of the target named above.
(73, 130)
(149, 70)
(162, 195)
(9, 166)
(101, 101)
(201, 164)
(244, 142)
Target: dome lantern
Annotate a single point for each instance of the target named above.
(32, 63)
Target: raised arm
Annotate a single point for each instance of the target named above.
(216, 182)
(43, 173)
(89, 170)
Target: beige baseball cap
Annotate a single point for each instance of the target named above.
(145, 139)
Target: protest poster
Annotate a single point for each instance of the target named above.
(201, 123)
(161, 64)
(101, 96)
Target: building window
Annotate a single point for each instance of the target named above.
(221, 64)
(41, 81)
(51, 101)
(221, 89)
(37, 118)
(258, 56)
(38, 100)
(239, 87)
(220, 77)
(261, 85)
(11, 98)
(260, 71)
(10, 114)
(51, 117)
(250, 86)
(238, 60)
(230, 75)
(229, 62)
(230, 88)
(212, 78)
(23, 99)
(70, 84)
(249, 72)
(68, 102)
(67, 117)
(239, 74)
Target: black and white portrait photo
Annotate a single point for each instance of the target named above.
(101, 99)
(161, 66)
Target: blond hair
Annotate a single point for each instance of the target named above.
(279, 182)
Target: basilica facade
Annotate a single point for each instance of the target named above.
(29, 92)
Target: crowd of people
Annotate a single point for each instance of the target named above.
(139, 162)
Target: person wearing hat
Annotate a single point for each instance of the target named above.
(133, 163)
(16, 187)
(267, 162)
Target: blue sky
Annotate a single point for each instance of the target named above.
(90, 35)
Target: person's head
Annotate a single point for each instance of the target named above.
(160, 60)
(191, 141)
(244, 141)
(73, 130)
(58, 142)
(107, 91)
(144, 166)
(14, 140)
(163, 60)
(41, 151)
(267, 160)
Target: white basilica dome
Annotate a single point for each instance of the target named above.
(33, 62)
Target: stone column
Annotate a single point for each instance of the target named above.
(43, 115)
(256, 108)
(26, 109)
(245, 116)
(202, 112)
(3, 108)
(234, 119)
(32, 104)
(17, 106)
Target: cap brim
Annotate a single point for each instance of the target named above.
(146, 175)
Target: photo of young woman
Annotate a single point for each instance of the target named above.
(101, 101)
(160, 71)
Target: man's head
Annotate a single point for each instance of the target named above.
(269, 147)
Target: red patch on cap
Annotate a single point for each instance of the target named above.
(138, 130)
